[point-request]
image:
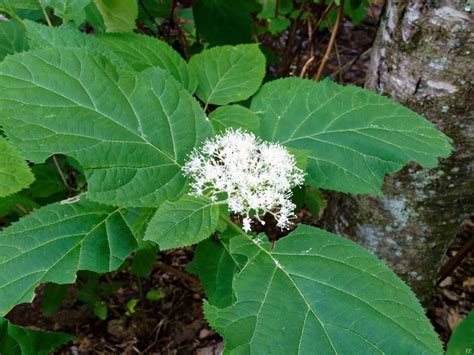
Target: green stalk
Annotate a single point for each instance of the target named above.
(232, 225)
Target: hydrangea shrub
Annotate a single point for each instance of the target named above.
(175, 153)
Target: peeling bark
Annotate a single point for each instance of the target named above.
(423, 58)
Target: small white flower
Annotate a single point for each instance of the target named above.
(246, 224)
(255, 176)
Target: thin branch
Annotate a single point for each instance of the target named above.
(332, 40)
(22, 209)
(58, 168)
(347, 67)
(454, 262)
(46, 17)
(286, 58)
(181, 35)
(182, 275)
(323, 16)
(145, 9)
(338, 57)
(306, 66)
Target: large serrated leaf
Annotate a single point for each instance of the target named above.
(55, 242)
(15, 174)
(42, 36)
(216, 266)
(16, 340)
(133, 51)
(142, 52)
(355, 136)
(12, 38)
(316, 292)
(183, 222)
(462, 339)
(68, 10)
(20, 4)
(119, 15)
(130, 132)
(229, 73)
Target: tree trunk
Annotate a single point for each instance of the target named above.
(423, 58)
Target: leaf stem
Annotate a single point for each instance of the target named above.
(140, 291)
(46, 17)
(172, 270)
(232, 225)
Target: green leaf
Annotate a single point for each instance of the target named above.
(69, 10)
(52, 297)
(94, 18)
(129, 50)
(9, 5)
(142, 52)
(143, 261)
(16, 340)
(278, 25)
(234, 116)
(16, 203)
(156, 8)
(12, 38)
(356, 9)
(47, 181)
(183, 222)
(119, 15)
(15, 174)
(224, 21)
(135, 139)
(215, 266)
(317, 292)
(355, 136)
(314, 200)
(268, 8)
(462, 339)
(155, 295)
(229, 73)
(101, 310)
(41, 36)
(131, 305)
(56, 241)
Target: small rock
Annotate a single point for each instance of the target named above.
(215, 349)
(453, 319)
(204, 333)
(450, 295)
(446, 282)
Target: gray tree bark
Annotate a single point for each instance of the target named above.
(423, 58)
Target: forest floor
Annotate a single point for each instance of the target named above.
(174, 324)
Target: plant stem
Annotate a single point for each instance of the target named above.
(60, 172)
(323, 16)
(454, 262)
(325, 59)
(232, 225)
(140, 290)
(46, 17)
(178, 273)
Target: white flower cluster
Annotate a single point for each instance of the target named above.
(256, 177)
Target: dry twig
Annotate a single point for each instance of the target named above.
(332, 40)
